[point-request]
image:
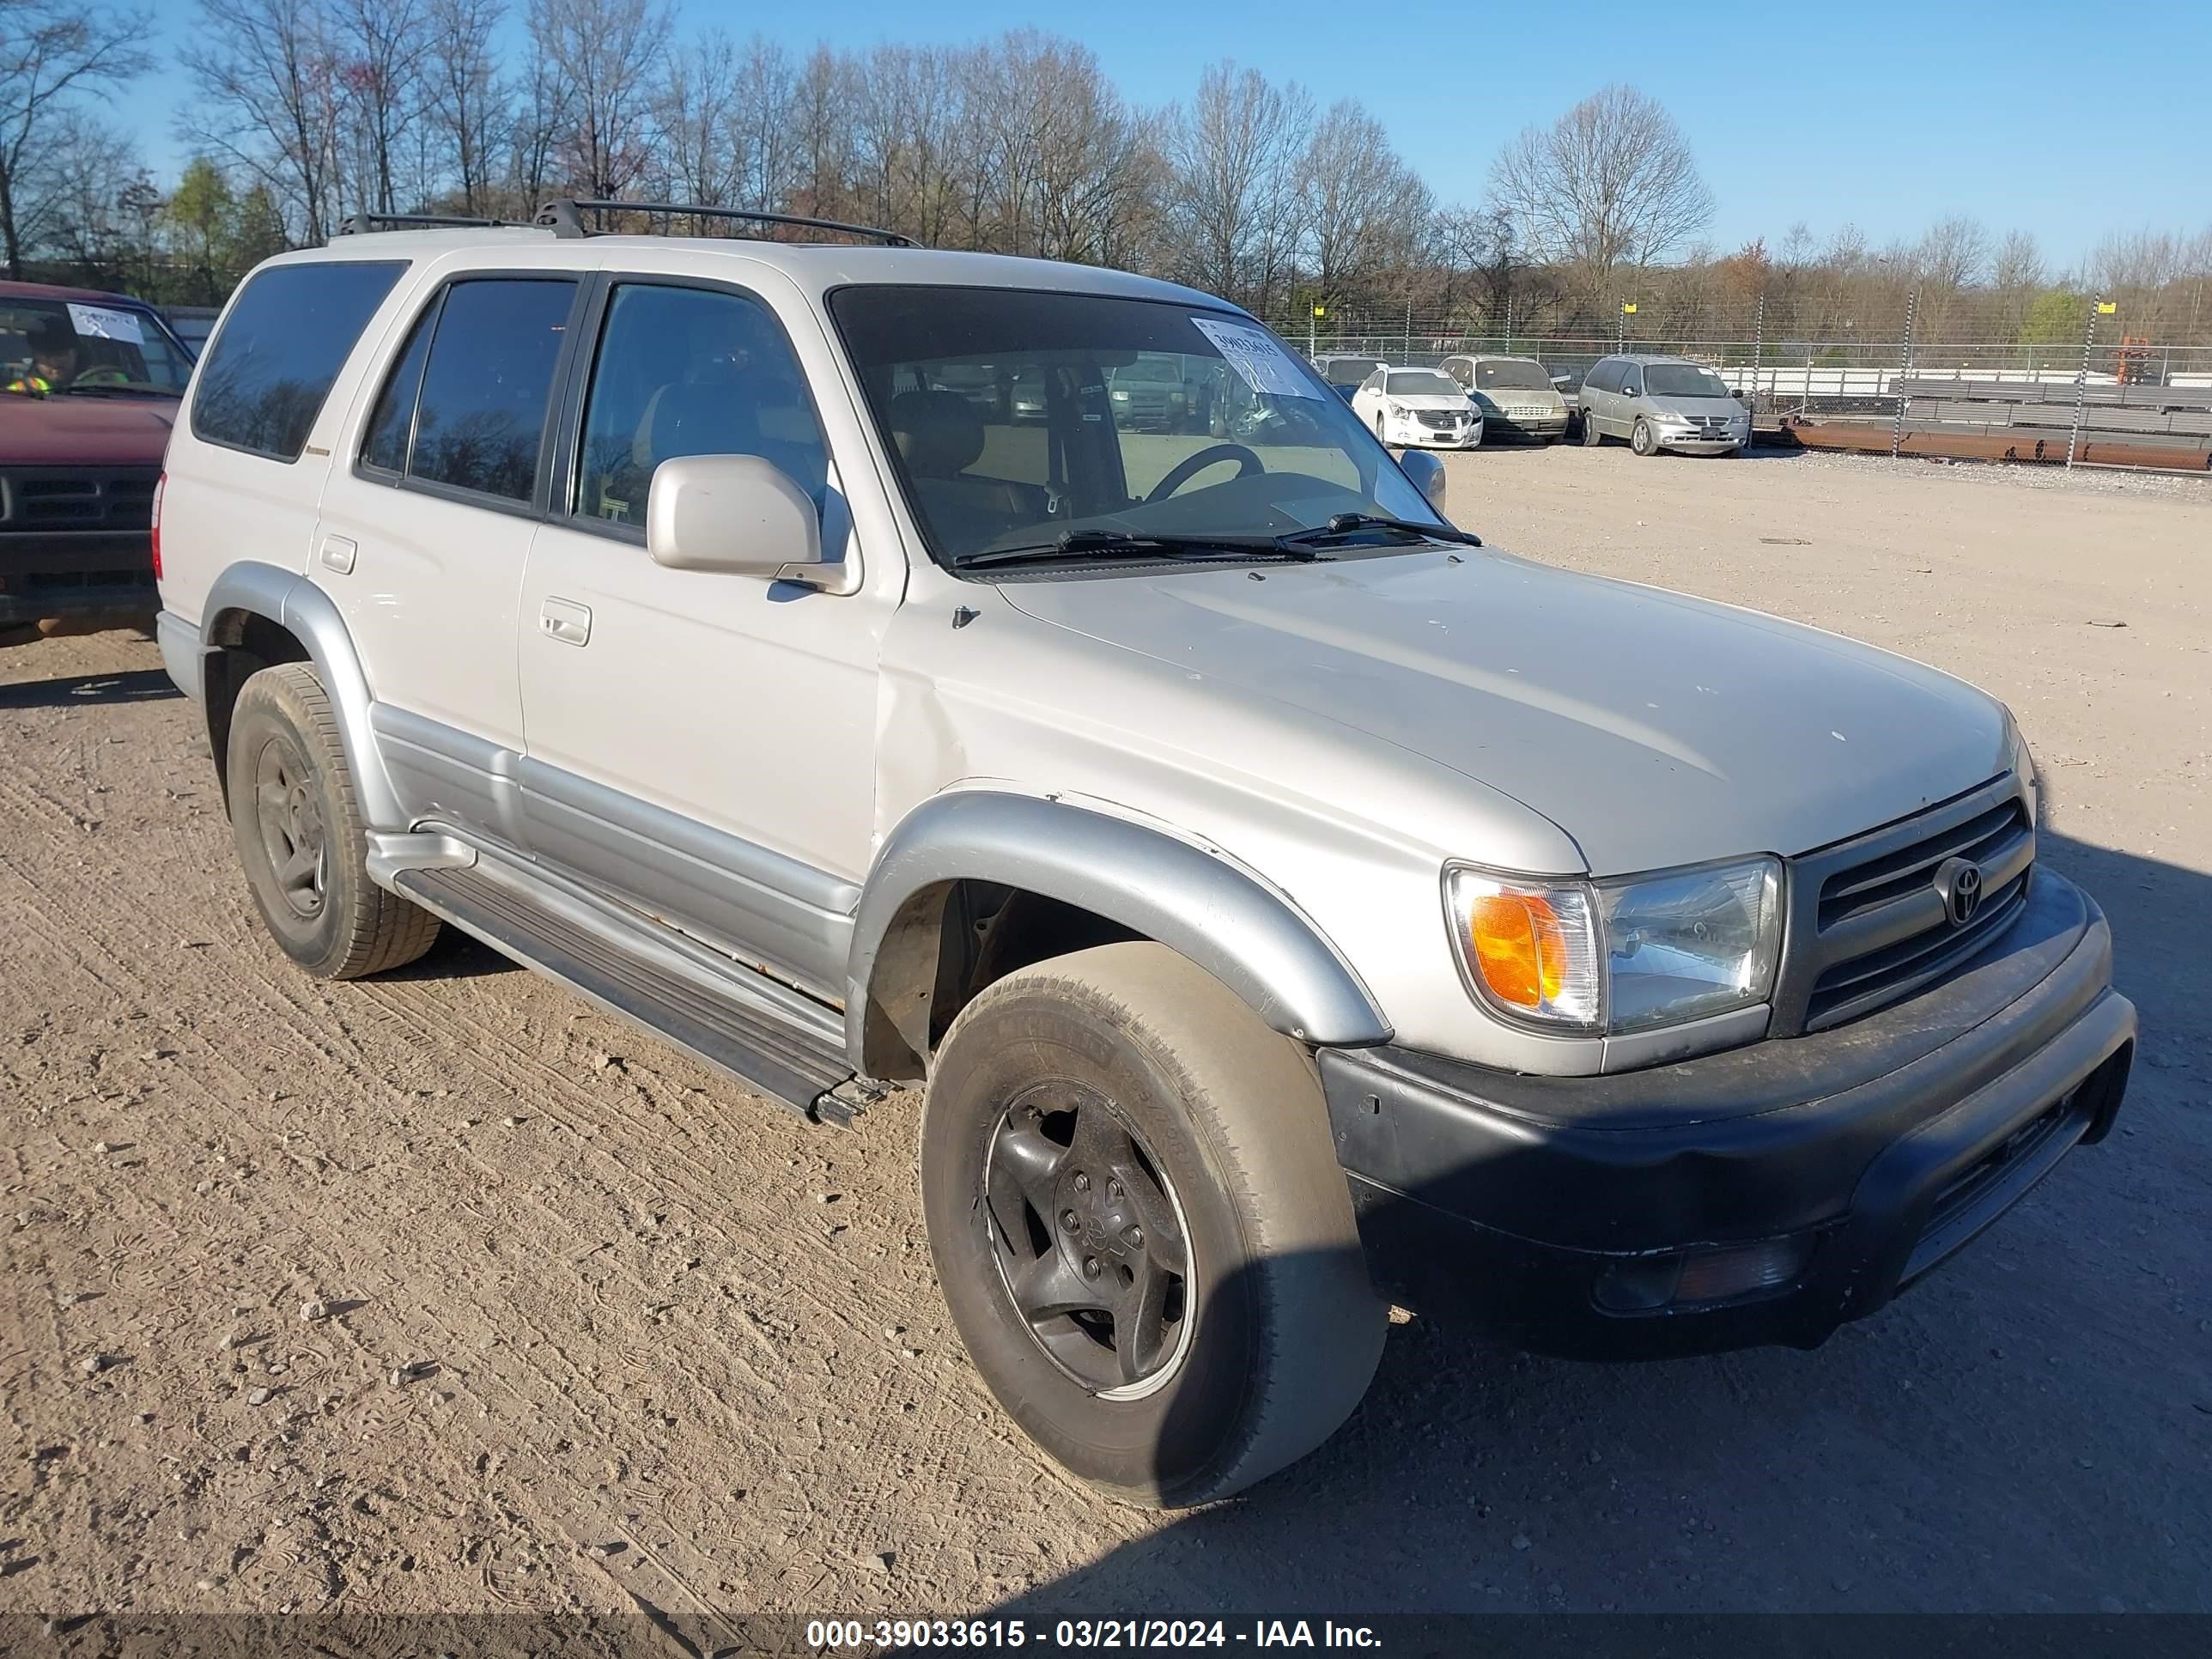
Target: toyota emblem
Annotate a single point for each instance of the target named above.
(1958, 882)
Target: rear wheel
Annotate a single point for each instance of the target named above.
(1642, 439)
(1141, 1228)
(300, 834)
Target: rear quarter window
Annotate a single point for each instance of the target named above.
(264, 379)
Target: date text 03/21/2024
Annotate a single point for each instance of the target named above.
(831, 1634)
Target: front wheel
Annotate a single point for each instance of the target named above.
(1642, 440)
(1591, 436)
(1141, 1226)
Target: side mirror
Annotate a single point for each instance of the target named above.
(736, 514)
(1427, 473)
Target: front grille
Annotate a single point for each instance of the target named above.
(61, 499)
(1442, 420)
(1871, 924)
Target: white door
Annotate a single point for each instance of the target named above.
(703, 742)
(426, 529)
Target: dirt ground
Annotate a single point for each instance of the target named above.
(595, 1329)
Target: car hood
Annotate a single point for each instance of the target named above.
(1726, 407)
(1427, 400)
(1516, 396)
(1653, 728)
(76, 431)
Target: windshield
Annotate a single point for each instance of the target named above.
(1422, 383)
(1682, 380)
(1253, 444)
(1511, 374)
(49, 346)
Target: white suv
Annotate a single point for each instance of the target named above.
(1288, 903)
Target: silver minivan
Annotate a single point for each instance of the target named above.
(1662, 402)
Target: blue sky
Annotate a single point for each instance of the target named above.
(2067, 120)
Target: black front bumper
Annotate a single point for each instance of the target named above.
(73, 575)
(1873, 1151)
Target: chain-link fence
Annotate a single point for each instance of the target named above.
(2070, 368)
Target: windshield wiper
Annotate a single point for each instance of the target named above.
(1076, 542)
(1347, 524)
(110, 390)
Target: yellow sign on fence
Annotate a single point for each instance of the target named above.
(1629, 309)
(2106, 307)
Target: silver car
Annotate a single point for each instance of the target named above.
(1288, 905)
(1662, 402)
(1516, 396)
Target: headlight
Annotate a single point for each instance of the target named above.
(1121, 397)
(1619, 955)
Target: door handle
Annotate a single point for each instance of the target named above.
(565, 621)
(338, 554)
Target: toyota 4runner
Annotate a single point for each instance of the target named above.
(1288, 904)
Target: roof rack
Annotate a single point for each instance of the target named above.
(565, 217)
(360, 224)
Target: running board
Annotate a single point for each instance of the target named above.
(793, 1054)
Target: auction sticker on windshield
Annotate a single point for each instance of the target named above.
(1263, 362)
(99, 323)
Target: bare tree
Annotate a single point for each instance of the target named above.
(1091, 164)
(822, 137)
(1610, 183)
(382, 44)
(607, 56)
(466, 104)
(539, 117)
(269, 100)
(53, 55)
(1953, 253)
(2019, 263)
(99, 202)
(1232, 196)
(762, 135)
(1362, 206)
(695, 118)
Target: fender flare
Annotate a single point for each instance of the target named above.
(1196, 901)
(288, 598)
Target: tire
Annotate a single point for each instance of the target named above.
(1591, 436)
(1379, 438)
(1641, 441)
(299, 832)
(1218, 1125)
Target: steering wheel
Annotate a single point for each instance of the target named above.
(103, 374)
(1191, 465)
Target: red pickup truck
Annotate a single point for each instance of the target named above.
(89, 385)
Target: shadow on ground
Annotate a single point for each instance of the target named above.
(2024, 1431)
(89, 690)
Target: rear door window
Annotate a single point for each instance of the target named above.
(480, 416)
(464, 406)
(264, 379)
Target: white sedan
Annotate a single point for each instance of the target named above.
(1418, 408)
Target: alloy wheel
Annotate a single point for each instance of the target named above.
(1089, 1240)
(290, 819)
